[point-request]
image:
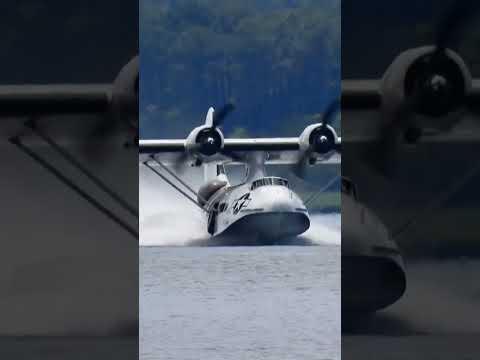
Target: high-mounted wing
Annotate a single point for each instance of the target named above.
(361, 94)
(280, 150)
(242, 145)
(117, 102)
(263, 144)
(27, 100)
(162, 146)
(316, 144)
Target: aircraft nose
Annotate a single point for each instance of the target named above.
(281, 204)
(280, 199)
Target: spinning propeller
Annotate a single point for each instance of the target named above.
(318, 140)
(206, 140)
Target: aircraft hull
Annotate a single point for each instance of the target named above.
(373, 273)
(383, 282)
(267, 228)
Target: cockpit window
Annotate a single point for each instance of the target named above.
(269, 181)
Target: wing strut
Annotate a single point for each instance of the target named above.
(73, 161)
(322, 190)
(164, 178)
(16, 141)
(172, 174)
(436, 203)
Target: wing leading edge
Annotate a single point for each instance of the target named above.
(281, 151)
(241, 145)
(367, 94)
(19, 100)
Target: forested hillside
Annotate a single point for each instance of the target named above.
(277, 60)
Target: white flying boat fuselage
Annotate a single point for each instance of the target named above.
(265, 208)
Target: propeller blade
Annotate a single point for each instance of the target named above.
(300, 167)
(220, 115)
(329, 114)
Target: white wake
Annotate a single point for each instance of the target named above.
(168, 219)
(325, 229)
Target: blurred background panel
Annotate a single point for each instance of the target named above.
(68, 271)
(425, 190)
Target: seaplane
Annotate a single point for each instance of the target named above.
(261, 206)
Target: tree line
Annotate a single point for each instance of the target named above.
(277, 61)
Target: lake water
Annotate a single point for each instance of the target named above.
(278, 302)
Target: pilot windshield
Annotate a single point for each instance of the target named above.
(269, 181)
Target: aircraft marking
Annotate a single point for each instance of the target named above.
(241, 203)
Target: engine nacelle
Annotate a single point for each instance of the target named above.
(318, 139)
(207, 190)
(434, 84)
(204, 142)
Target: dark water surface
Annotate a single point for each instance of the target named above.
(240, 303)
